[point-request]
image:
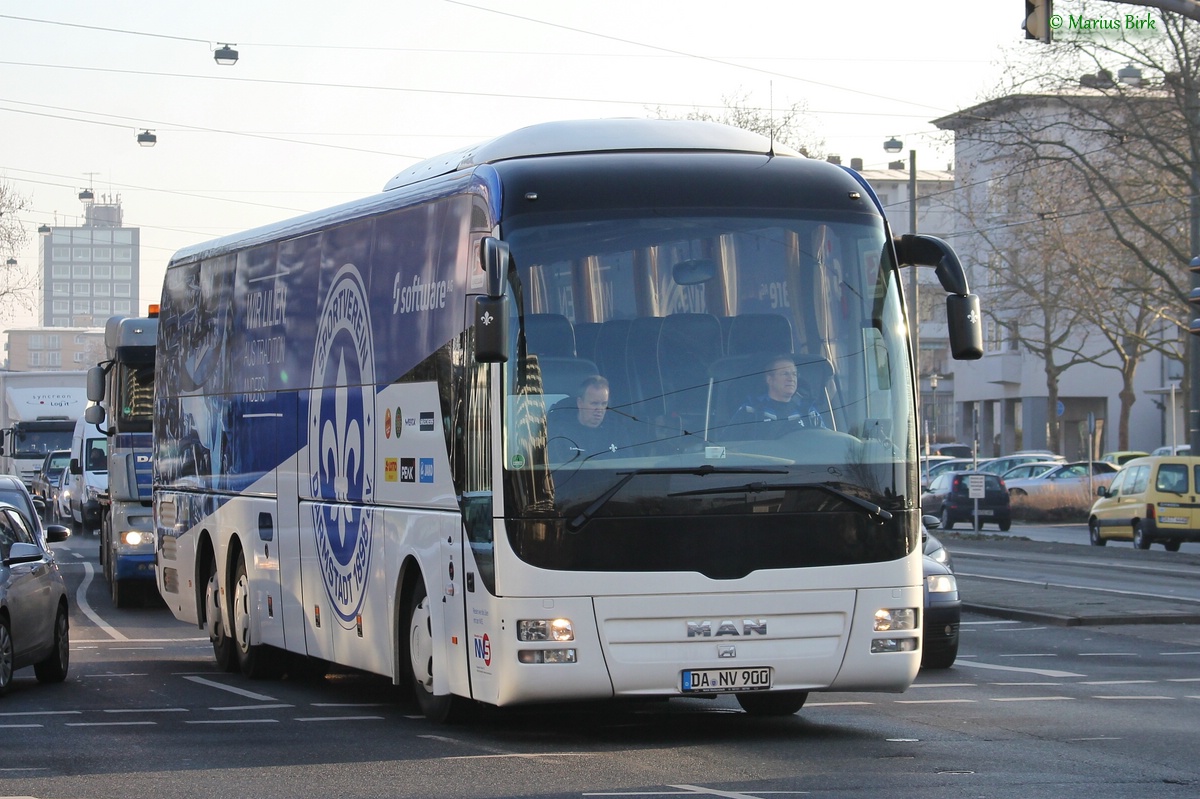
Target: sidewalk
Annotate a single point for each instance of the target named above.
(1066, 606)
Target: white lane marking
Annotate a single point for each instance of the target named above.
(111, 723)
(944, 685)
(1031, 698)
(234, 721)
(1133, 698)
(1193, 654)
(231, 689)
(935, 701)
(86, 609)
(340, 718)
(41, 713)
(250, 707)
(838, 704)
(1039, 672)
(1117, 591)
(1108, 654)
(1118, 682)
(147, 710)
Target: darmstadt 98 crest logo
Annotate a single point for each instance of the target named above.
(341, 442)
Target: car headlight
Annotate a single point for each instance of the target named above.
(92, 493)
(942, 556)
(135, 538)
(941, 584)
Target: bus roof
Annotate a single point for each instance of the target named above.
(594, 136)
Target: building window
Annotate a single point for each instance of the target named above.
(101, 253)
(81, 272)
(123, 236)
(60, 321)
(102, 272)
(61, 289)
(122, 307)
(60, 307)
(80, 357)
(121, 290)
(54, 342)
(61, 253)
(54, 358)
(122, 272)
(35, 342)
(81, 306)
(102, 289)
(81, 290)
(35, 359)
(80, 340)
(60, 272)
(122, 253)
(101, 307)
(81, 254)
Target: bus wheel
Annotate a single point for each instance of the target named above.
(772, 703)
(221, 643)
(255, 661)
(445, 708)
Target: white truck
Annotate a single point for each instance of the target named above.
(38, 411)
(123, 388)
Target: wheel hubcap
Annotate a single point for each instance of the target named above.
(420, 645)
(241, 613)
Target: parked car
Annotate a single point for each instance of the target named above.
(1121, 457)
(948, 497)
(1064, 477)
(1180, 449)
(941, 467)
(47, 475)
(34, 624)
(1151, 500)
(1031, 469)
(953, 450)
(943, 608)
(1005, 462)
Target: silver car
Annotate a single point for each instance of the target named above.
(34, 625)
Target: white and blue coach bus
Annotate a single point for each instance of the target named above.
(357, 413)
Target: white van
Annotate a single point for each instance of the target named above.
(87, 476)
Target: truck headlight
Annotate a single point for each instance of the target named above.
(135, 538)
(889, 620)
(545, 630)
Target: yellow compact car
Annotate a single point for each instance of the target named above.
(1151, 500)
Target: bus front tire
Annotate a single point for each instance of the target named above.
(440, 709)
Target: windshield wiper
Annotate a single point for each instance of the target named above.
(579, 521)
(755, 488)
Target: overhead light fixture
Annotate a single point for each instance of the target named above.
(893, 145)
(43, 228)
(147, 138)
(86, 195)
(225, 55)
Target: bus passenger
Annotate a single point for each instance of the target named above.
(581, 426)
(787, 401)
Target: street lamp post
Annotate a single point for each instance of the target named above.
(933, 383)
(893, 146)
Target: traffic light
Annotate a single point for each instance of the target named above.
(1194, 296)
(1037, 19)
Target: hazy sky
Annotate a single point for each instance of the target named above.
(329, 100)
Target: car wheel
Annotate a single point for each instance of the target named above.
(772, 703)
(1005, 525)
(947, 521)
(54, 667)
(1094, 533)
(6, 656)
(1140, 541)
(444, 708)
(1171, 546)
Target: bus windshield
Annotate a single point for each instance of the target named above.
(732, 381)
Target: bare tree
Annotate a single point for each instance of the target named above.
(15, 284)
(791, 125)
(1121, 158)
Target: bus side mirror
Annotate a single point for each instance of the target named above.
(965, 326)
(491, 330)
(965, 323)
(495, 257)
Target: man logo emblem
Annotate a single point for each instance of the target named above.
(341, 443)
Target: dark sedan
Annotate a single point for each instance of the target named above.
(950, 498)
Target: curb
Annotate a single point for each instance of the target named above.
(1074, 620)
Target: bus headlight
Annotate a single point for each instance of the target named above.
(545, 630)
(888, 620)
